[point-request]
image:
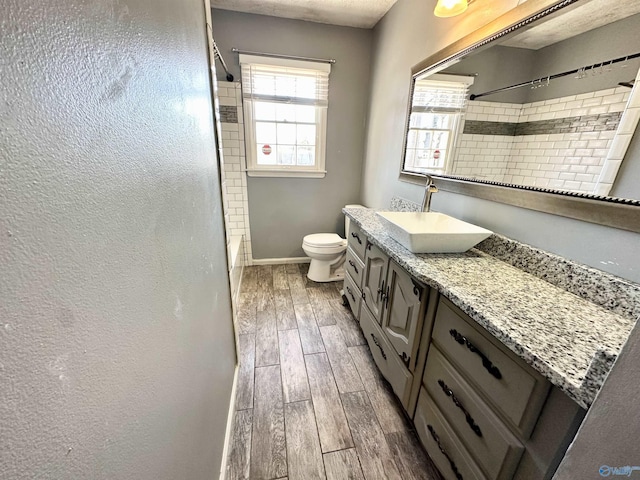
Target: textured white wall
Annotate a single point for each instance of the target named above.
(116, 345)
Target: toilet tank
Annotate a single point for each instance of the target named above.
(346, 219)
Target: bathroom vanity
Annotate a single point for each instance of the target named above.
(495, 366)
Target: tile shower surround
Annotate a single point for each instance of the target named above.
(235, 188)
(560, 143)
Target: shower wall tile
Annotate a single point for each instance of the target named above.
(235, 185)
(560, 143)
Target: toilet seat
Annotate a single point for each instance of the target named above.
(329, 241)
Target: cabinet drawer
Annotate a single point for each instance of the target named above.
(355, 267)
(353, 294)
(385, 357)
(442, 445)
(357, 240)
(514, 388)
(490, 442)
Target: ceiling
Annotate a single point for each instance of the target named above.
(594, 14)
(350, 13)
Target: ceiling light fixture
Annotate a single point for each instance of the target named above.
(451, 8)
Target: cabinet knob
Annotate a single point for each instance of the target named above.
(357, 237)
(354, 266)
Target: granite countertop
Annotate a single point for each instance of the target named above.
(571, 341)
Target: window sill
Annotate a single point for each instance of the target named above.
(291, 173)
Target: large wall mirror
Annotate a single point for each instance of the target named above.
(539, 109)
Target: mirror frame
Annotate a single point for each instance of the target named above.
(609, 211)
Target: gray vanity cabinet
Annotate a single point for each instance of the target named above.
(403, 313)
(484, 413)
(480, 411)
(374, 286)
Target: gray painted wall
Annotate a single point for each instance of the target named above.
(610, 41)
(116, 344)
(283, 210)
(405, 36)
(498, 67)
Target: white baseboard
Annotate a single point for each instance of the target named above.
(230, 418)
(277, 261)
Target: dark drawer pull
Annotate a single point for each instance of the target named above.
(474, 426)
(351, 293)
(357, 237)
(444, 452)
(375, 340)
(486, 363)
(355, 267)
(369, 245)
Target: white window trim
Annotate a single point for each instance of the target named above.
(252, 167)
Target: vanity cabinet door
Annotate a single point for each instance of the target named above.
(376, 263)
(403, 313)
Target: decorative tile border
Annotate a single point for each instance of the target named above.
(478, 127)
(584, 123)
(228, 114)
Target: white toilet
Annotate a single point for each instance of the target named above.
(327, 252)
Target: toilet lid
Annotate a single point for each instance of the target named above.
(324, 240)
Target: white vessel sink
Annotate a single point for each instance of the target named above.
(432, 232)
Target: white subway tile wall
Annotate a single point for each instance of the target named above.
(235, 180)
(567, 161)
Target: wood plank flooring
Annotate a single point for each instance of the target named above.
(310, 402)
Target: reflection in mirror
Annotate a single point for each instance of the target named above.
(554, 107)
(434, 122)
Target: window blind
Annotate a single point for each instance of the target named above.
(284, 83)
(433, 95)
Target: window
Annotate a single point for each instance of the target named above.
(285, 109)
(435, 119)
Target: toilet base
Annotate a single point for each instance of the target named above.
(321, 271)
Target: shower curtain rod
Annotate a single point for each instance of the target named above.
(539, 81)
(277, 55)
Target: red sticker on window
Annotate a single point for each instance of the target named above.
(266, 149)
(436, 154)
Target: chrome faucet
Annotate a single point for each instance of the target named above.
(429, 189)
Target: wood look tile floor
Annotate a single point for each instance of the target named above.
(310, 401)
